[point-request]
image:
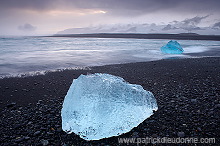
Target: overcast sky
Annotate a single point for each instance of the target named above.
(49, 16)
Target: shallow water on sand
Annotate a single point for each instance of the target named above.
(19, 55)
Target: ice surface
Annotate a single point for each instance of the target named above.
(101, 105)
(172, 47)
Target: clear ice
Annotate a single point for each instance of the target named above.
(102, 105)
(172, 47)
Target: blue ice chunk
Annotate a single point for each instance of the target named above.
(172, 47)
(101, 105)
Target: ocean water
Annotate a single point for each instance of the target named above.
(34, 55)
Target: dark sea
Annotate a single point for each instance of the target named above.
(20, 56)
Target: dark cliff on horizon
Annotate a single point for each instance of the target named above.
(180, 36)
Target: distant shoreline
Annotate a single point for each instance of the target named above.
(181, 36)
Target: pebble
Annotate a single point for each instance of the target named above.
(26, 137)
(49, 133)
(199, 129)
(193, 100)
(59, 129)
(135, 134)
(163, 127)
(43, 128)
(146, 129)
(26, 90)
(181, 134)
(44, 142)
(18, 126)
(57, 125)
(20, 139)
(36, 133)
(150, 121)
(154, 135)
(217, 106)
(11, 104)
(29, 123)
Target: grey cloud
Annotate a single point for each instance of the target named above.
(26, 4)
(189, 24)
(125, 7)
(194, 21)
(169, 27)
(27, 27)
(216, 25)
(112, 4)
(191, 28)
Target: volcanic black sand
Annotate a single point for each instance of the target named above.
(187, 93)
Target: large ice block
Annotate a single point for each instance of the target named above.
(102, 105)
(172, 47)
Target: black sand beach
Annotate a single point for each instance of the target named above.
(181, 36)
(187, 93)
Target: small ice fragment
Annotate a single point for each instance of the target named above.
(101, 105)
(172, 47)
